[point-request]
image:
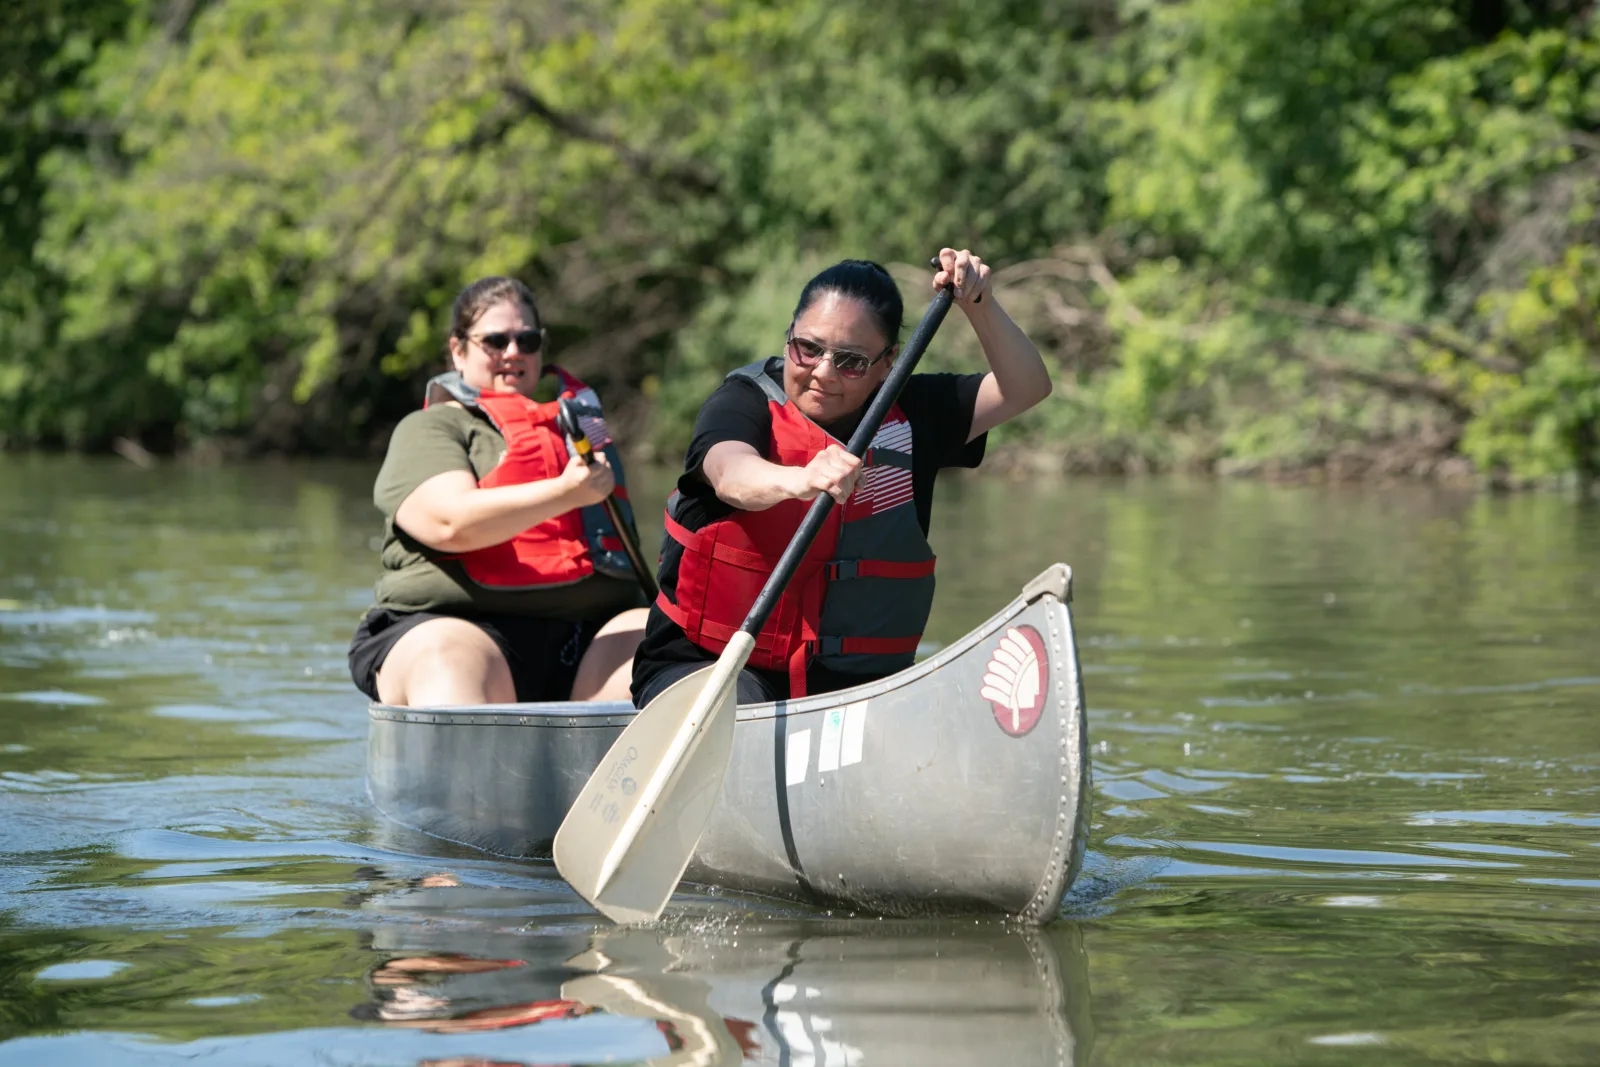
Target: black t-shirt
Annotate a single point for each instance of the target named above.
(939, 408)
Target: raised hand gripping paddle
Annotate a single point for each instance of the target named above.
(567, 419)
(628, 838)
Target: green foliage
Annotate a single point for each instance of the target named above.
(47, 49)
(1249, 234)
(1384, 158)
(1545, 420)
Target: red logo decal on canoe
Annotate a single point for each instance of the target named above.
(1017, 680)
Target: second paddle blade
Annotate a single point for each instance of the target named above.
(653, 864)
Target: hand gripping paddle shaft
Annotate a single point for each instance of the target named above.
(567, 419)
(626, 841)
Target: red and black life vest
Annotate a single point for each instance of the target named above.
(859, 600)
(571, 546)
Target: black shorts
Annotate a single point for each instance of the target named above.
(543, 654)
(753, 686)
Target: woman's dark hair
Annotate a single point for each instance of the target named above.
(863, 280)
(484, 294)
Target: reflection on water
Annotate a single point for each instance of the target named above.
(721, 989)
(717, 982)
(1346, 751)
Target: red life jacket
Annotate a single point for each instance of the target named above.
(562, 550)
(860, 598)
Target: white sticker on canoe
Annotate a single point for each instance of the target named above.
(855, 727)
(798, 756)
(828, 750)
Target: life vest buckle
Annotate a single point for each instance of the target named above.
(843, 568)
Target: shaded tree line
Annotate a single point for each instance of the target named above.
(1251, 235)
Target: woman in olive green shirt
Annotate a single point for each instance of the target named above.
(437, 636)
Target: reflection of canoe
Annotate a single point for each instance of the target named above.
(857, 992)
(792, 992)
(959, 784)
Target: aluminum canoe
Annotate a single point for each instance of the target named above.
(960, 784)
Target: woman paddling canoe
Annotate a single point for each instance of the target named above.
(768, 441)
(503, 579)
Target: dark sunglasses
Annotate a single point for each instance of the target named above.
(807, 353)
(528, 341)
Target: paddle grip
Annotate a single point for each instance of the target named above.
(567, 420)
(938, 266)
(882, 401)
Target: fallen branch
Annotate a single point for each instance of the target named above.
(1400, 386)
(1350, 319)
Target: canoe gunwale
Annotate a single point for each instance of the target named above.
(563, 716)
(1055, 580)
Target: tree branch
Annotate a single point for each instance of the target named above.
(175, 21)
(1400, 386)
(642, 164)
(1350, 319)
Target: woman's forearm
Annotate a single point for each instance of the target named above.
(1018, 378)
(743, 479)
(1018, 367)
(450, 513)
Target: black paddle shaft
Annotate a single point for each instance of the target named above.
(865, 432)
(567, 419)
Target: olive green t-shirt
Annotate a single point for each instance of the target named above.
(433, 441)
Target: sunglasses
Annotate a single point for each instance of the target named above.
(528, 341)
(807, 353)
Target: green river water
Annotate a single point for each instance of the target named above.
(1346, 755)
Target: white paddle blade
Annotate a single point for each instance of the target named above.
(600, 817)
(626, 841)
(646, 873)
